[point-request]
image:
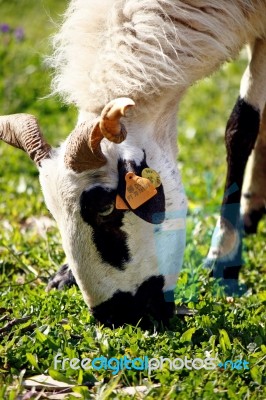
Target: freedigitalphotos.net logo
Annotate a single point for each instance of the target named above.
(145, 363)
(236, 364)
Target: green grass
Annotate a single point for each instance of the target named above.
(60, 321)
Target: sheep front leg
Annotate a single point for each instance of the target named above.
(240, 137)
(254, 189)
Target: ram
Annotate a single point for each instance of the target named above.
(113, 186)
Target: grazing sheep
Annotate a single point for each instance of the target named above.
(113, 186)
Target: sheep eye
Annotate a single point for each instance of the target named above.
(107, 210)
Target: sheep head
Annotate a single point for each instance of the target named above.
(112, 250)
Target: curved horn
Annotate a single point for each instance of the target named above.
(23, 131)
(83, 151)
(110, 124)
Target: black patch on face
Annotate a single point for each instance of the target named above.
(153, 210)
(108, 236)
(147, 305)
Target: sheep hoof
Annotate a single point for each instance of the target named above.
(251, 220)
(62, 278)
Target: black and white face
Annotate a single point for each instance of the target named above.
(125, 259)
(120, 207)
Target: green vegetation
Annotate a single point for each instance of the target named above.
(47, 324)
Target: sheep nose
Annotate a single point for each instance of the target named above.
(147, 307)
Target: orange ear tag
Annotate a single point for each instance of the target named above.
(152, 175)
(138, 190)
(120, 204)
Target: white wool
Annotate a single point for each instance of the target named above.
(112, 48)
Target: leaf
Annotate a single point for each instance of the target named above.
(224, 340)
(59, 377)
(222, 344)
(45, 381)
(263, 348)
(40, 336)
(80, 376)
(33, 360)
(67, 327)
(232, 395)
(256, 375)
(52, 344)
(83, 390)
(186, 337)
(262, 295)
(110, 387)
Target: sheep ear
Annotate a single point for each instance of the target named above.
(23, 131)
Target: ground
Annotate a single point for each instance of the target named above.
(35, 325)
